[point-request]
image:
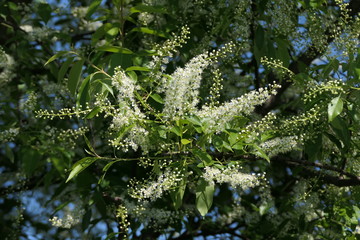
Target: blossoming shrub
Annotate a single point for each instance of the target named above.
(149, 119)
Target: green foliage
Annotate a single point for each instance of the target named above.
(180, 119)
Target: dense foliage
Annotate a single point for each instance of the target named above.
(179, 119)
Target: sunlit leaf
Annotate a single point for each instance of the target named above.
(335, 107)
(204, 196)
(80, 166)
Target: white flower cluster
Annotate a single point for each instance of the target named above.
(153, 190)
(128, 114)
(280, 145)
(216, 118)
(232, 176)
(182, 89)
(7, 67)
(37, 33)
(237, 211)
(28, 104)
(84, 25)
(146, 18)
(126, 88)
(166, 51)
(152, 216)
(70, 219)
(136, 136)
(8, 134)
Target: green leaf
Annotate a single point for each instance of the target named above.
(86, 220)
(113, 31)
(105, 169)
(146, 8)
(203, 156)
(335, 107)
(114, 49)
(93, 112)
(194, 120)
(150, 31)
(185, 141)
(157, 98)
(204, 196)
(57, 55)
(30, 160)
(74, 76)
(260, 152)
(218, 142)
(138, 68)
(178, 194)
(80, 166)
(341, 130)
(89, 145)
(92, 8)
(83, 95)
(44, 11)
(63, 69)
(176, 130)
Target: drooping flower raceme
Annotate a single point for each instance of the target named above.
(232, 176)
(128, 114)
(280, 145)
(182, 89)
(153, 190)
(217, 117)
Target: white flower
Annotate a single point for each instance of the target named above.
(182, 89)
(153, 190)
(8, 134)
(70, 219)
(232, 176)
(216, 118)
(278, 145)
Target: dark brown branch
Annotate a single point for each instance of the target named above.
(314, 164)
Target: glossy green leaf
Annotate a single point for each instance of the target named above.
(157, 98)
(341, 129)
(93, 112)
(56, 56)
(138, 68)
(259, 152)
(176, 130)
(84, 94)
(151, 31)
(63, 69)
(74, 76)
(194, 120)
(147, 8)
(114, 49)
(80, 166)
(185, 141)
(203, 156)
(92, 8)
(204, 196)
(218, 142)
(335, 107)
(178, 194)
(113, 31)
(89, 145)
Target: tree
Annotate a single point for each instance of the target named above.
(179, 119)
